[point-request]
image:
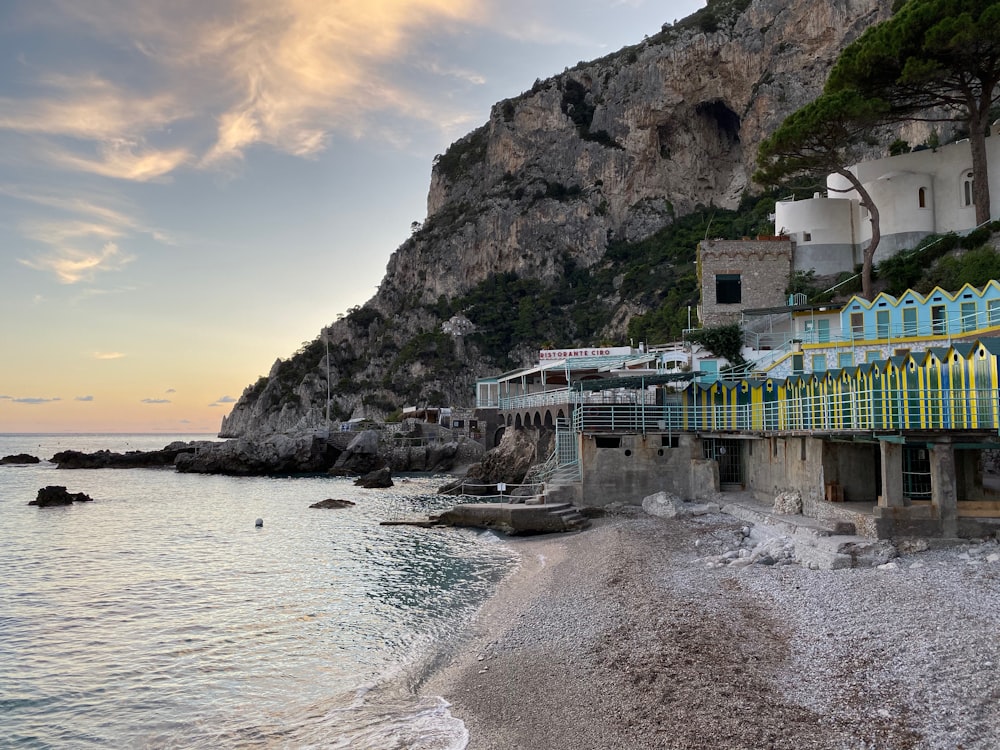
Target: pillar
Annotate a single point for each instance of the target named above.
(892, 475)
(944, 487)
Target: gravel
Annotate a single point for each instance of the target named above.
(623, 636)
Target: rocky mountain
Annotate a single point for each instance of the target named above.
(533, 217)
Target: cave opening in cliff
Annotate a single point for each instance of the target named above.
(727, 121)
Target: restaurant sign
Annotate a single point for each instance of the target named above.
(548, 355)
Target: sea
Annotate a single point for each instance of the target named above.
(161, 616)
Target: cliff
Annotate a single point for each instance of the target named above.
(533, 218)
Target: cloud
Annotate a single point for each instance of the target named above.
(125, 160)
(84, 398)
(71, 265)
(225, 400)
(156, 401)
(108, 355)
(82, 235)
(171, 390)
(5, 397)
(34, 400)
(216, 79)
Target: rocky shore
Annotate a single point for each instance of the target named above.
(630, 635)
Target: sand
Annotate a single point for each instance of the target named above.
(620, 637)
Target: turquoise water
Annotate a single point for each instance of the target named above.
(159, 616)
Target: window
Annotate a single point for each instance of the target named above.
(909, 321)
(968, 188)
(728, 289)
(858, 325)
(845, 359)
(819, 363)
(873, 355)
(798, 366)
(968, 311)
(993, 312)
(882, 324)
(807, 236)
(939, 320)
(603, 441)
(922, 197)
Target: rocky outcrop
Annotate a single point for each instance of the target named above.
(105, 459)
(55, 495)
(20, 458)
(273, 455)
(509, 462)
(361, 456)
(611, 150)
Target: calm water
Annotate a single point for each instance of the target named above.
(159, 616)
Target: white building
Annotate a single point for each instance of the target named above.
(919, 193)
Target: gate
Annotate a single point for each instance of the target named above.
(729, 455)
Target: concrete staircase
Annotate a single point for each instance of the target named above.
(826, 546)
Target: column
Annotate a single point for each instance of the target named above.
(892, 475)
(944, 487)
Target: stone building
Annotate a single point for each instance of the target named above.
(738, 274)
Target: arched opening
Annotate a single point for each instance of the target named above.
(548, 419)
(498, 435)
(538, 420)
(922, 197)
(517, 422)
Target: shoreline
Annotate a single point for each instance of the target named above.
(621, 636)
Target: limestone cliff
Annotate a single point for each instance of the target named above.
(609, 151)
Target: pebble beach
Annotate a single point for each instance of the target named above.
(631, 635)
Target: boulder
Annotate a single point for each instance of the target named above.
(788, 502)
(361, 455)
(333, 503)
(20, 458)
(54, 495)
(378, 479)
(664, 505)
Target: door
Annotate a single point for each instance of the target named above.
(728, 454)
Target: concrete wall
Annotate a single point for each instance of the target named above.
(764, 267)
(775, 464)
(638, 467)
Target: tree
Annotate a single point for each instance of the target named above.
(826, 136)
(934, 60)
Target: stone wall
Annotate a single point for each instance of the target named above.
(764, 268)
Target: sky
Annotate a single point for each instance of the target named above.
(190, 189)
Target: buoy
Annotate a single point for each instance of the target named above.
(259, 523)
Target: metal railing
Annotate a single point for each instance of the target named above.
(851, 411)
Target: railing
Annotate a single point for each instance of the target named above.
(486, 493)
(569, 396)
(875, 410)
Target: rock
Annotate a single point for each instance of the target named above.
(888, 566)
(54, 495)
(129, 460)
(20, 458)
(270, 456)
(993, 557)
(360, 457)
(378, 479)
(333, 503)
(788, 503)
(664, 505)
(509, 462)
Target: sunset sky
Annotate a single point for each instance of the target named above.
(190, 189)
